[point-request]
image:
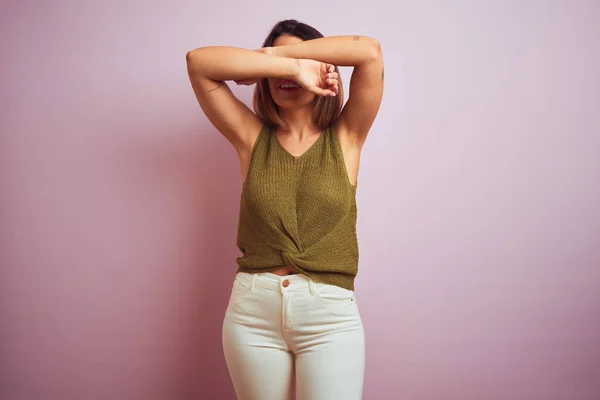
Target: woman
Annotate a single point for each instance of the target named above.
(292, 319)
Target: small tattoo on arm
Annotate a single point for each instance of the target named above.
(356, 38)
(382, 74)
(218, 86)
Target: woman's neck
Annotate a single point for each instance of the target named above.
(298, 122)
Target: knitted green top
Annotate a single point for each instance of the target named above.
(299, 211)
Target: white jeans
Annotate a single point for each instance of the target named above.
(284, 330)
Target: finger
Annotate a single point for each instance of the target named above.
(334, 86)
(319, 91)
(330, 68)
(333, 75)
(330, 91)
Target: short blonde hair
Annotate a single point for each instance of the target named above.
(325, 110)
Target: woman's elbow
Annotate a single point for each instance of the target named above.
(191, 57)
(196, 60)
(376, 48)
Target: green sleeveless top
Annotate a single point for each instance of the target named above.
(299, 211)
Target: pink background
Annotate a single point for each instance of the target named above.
(478, 199)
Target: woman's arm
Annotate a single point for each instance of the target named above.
(346, 51)
(366, 84)
(210, 67)
(220, 63)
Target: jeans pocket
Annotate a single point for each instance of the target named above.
(239, 295)
(239, 291)
(334, 296)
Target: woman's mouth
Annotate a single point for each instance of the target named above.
(288, 86)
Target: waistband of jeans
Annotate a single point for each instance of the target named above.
(271, 281)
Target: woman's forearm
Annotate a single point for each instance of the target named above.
(221, 63)
(337, 50)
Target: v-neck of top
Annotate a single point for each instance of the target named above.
(307, 151)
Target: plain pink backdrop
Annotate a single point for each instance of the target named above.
(478, 199)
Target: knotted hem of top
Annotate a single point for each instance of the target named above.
(343, 280)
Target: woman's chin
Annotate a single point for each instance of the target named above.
(297, 101)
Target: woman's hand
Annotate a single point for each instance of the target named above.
(317, 77)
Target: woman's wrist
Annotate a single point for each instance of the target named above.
(294, 70)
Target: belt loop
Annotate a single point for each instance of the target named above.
(311, 286)
(252, 281)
